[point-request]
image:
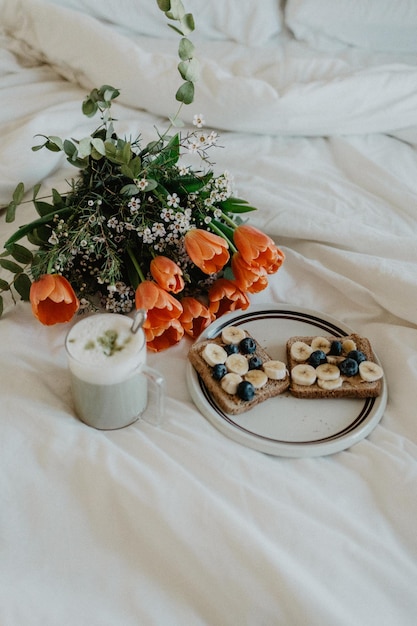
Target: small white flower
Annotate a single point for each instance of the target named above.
(183, 170)
(173, 200)
(198, 120)
(53, 239)
(141, 184)
(193, 146)
(207, 219)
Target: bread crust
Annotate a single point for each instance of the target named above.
(231, 403)
(352, 387)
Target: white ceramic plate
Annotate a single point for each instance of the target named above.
(287, 426)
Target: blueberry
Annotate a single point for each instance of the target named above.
(231, 348)
(317, 357)
(357, 355)
(245, 390)
(219, 371)
(349, 367)
(255, 362)
(336, 348)
(247, 345)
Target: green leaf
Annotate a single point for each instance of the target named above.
(36, 190)
(18, 193)
(22, 285)
(4, 285)
(176, 11)
(57, 198)
(188, 23)
(11, 211)
(89, 107)
(185, 93)
(227, 230)
(99, 146)
(164, 5)
(54, 144)
(189, 70)
(70, 148)
(20, 253)
(10, 266)
(186, 49)
(129, 190)
(32, 226)
(84, 148)
(236, 205)
(42, 208)
(1, 305)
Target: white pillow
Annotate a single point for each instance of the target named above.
(379, 25)
(244, 21)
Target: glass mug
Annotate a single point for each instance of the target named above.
(109, 376)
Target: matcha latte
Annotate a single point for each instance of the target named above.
(107, 362)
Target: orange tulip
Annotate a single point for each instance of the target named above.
(195, 317)
(248, 278)
(163, 337)
(224, 296)
(206, 250)
(161, 307)
(167, 274)
(53, 299)
(257, 248)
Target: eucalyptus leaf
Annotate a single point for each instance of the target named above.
(186, 49)
(98, 145)
(185, 93)
(189, 70)
(129, 190)
(164, 5)
(10, 266)
(176, 11)
(84, 148)
(89, 107)
(22, 285)
(70, 148)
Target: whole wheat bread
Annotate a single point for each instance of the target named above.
(352, 387)
(232, 404)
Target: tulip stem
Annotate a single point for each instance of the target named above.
(229, 220)
(136, 265)
(219, 232)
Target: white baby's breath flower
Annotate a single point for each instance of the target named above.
(173, 200)
(198, 120)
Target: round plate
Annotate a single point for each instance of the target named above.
(285, 425)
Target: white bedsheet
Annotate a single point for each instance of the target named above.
(181, 525)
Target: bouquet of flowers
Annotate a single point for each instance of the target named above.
(139, 228)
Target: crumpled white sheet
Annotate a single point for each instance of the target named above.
(182, 525)
(365, 97)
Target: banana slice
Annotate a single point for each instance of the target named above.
(348, 345)
(237, 363)
(258, 378)
(213, 354)
(230, 382)
(276, 370)
(330, 384)
(303, 374)
(300, 351)
(233, 334)
(327, 371)
(321, 343)
(370, 371)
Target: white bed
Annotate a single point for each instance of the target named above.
(183, 524)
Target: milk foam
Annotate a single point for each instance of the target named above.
(103, 350)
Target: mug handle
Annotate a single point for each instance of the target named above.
(158, 384)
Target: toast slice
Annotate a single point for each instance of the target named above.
(361, 381)
(232, 403)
